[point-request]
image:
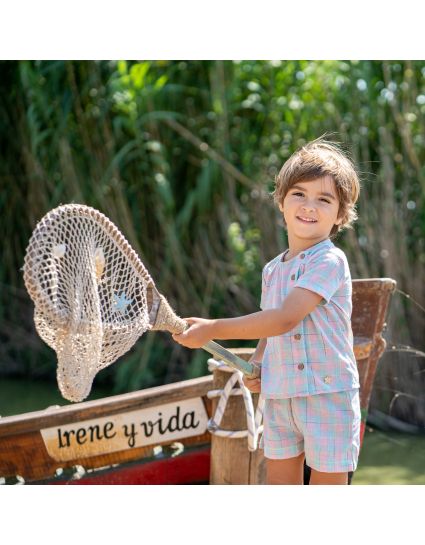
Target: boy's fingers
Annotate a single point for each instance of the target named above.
(250, 382)
(254, 389)
(189, 321)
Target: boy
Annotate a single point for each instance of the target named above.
(309, 377)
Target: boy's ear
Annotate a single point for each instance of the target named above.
(281, 207)
(340, 218)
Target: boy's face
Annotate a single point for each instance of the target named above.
(311, 200)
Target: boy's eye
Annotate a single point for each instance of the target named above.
(322, 198)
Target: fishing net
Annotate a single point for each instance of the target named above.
(91, 292)
(93, 296)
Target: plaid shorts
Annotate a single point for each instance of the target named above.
(324, 426)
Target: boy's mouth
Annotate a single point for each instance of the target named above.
(306, 220)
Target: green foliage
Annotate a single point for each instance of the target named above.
(182, 157)
(246, 260)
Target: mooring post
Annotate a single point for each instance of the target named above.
(231, 461)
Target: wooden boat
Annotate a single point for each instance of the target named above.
(160, 435)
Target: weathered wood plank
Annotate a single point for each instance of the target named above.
(371, 298)
(26, 455)
(23, 451)
(231, 462)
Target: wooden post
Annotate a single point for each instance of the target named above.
(231, 461)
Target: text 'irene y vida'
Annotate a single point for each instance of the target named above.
(162, 426)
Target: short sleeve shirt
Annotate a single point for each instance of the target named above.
(317, 355)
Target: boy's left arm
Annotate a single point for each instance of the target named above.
(267, 323)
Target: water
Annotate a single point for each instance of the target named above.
(391, 458)
(22, 395)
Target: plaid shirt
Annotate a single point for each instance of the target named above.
(317, 355)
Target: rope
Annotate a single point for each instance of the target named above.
(254, 421)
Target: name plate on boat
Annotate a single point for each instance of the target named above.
(124, 431)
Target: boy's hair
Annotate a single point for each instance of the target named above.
(318, 159)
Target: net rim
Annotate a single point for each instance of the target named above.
(75, 210)
(82, 210)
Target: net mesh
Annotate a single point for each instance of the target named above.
(90, 293)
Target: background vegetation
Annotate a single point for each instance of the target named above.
(182, 157)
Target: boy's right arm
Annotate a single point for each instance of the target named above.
(254, 385)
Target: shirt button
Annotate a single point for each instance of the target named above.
(293, 277)
(300, 366)
(302, 256)
(297, 336)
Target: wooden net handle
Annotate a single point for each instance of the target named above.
(220, 353)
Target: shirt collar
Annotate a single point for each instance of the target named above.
(309, 251)
(322, 244)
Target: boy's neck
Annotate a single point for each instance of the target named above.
(298, 246)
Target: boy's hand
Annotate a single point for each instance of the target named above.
(198, 334)
(253, 384)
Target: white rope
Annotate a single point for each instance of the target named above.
(254, 421)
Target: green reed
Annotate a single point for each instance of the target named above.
(182, 157)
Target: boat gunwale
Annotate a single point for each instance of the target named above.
(86, 410)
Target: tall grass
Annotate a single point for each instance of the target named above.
(182, 157)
